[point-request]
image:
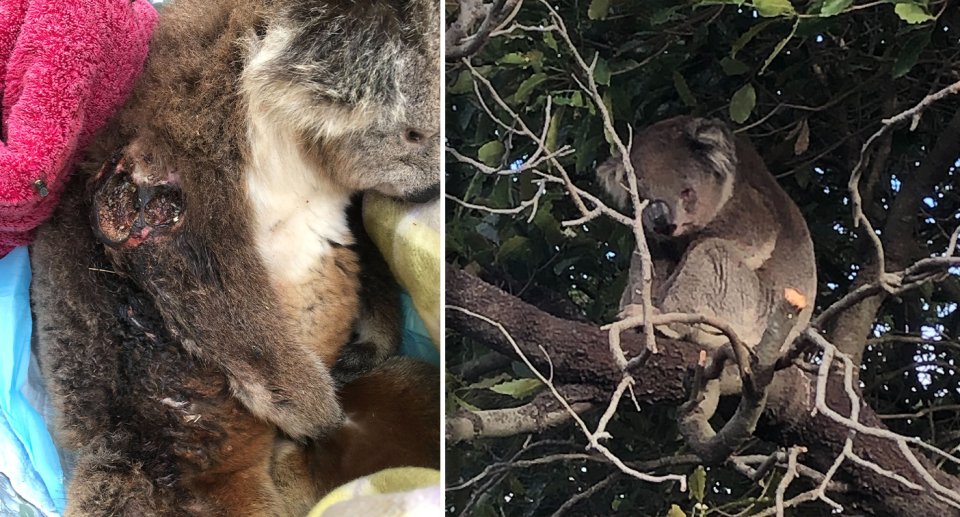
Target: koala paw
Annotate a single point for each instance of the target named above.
(304, 407)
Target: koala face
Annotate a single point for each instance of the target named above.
(359, 83)
(685, 167)
(398, 156)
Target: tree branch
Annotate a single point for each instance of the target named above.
(579, 354)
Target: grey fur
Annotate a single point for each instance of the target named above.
(736, 246)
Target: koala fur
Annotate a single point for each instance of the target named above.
(204, 289)
(725, 238)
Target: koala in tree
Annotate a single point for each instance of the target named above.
(725, 239)
(218, 289)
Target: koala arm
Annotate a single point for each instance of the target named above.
(275, 375)
(713, 279)
(663, 267)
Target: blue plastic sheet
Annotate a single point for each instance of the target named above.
(416, 340)
(29, 458)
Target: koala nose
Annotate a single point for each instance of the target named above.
(417, 136)
(658, 217)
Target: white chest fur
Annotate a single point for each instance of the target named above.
(298, 215)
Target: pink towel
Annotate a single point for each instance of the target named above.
(65, 67)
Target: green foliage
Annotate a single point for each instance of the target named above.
(828, 70)
(519, 388)
(912, 13)
(698, 483)
(742, 103)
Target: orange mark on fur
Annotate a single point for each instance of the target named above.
(795, 298)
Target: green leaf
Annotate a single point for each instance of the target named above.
(772, 8)
(527, 86)
(602, 72)
(834, 7)
(912, 13)
(608, 103)
(513, 58)
(501, 195)
(512, 246)
(490, 381)
(491, 153)
(576, 100)
(684, 90)
(779, 47)
(742, 103)
(747, 36)
(675, 511)
(516, 487)
(518, 389)
(810, 27)
(802, 176)
(535, 58)
(554, 129)
(665, 15)
(910, 53)
(550, 41)
(598, 9)
(463, 84)
(733, 67)
(465, 405)
(698, 483)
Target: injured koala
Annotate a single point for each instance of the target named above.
(203, 329)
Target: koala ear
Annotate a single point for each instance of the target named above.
(613, 179)
(715, 142)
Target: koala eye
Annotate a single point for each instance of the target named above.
(413, 136)
(689, 197)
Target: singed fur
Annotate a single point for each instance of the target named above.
(184, 351)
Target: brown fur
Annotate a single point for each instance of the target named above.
(179, 362)
(393, 410)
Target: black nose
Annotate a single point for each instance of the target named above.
(658, 217)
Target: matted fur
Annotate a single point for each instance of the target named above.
(182, 358)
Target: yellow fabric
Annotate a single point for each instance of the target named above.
(398, 492)
(408, 235)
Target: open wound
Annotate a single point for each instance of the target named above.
(126, 213)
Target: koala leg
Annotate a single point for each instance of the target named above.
(714, 280)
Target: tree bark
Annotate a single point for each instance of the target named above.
(580, 355)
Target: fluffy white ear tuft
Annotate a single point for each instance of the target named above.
(613, 179)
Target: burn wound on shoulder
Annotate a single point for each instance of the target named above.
(126, 213)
